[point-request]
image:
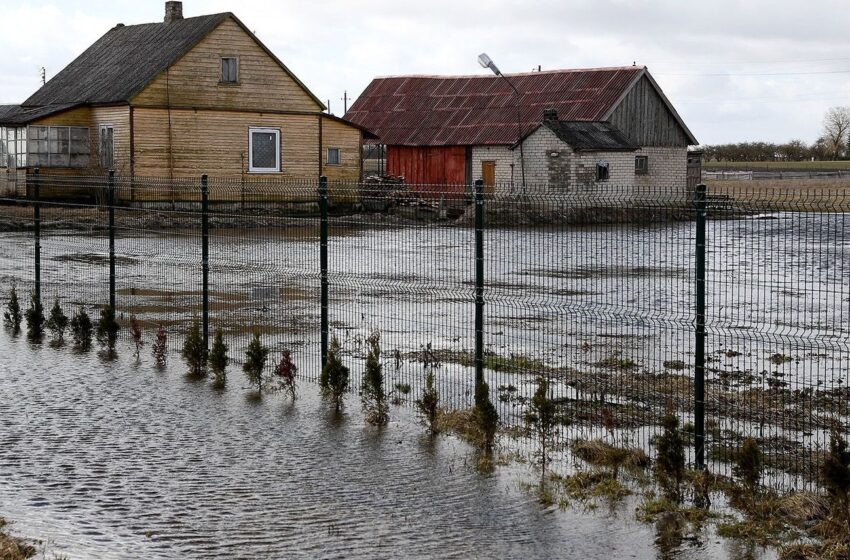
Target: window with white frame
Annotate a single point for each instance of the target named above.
(334, 156)
(4, 148)
(264, 150)
(55, 146)
(229, 70)
(641, 165)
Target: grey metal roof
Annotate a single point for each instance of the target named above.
(19, 115)
(123, 61)
(590, 135)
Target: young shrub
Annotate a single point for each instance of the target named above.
(57, 323)
(12, 316)
(429, 405)
(485, 417)
(194, 353)
(160, 347)
(334, 379)
(285, 373)
(81, 329)
(255, 362)
(543, 417)
(748, 466)
(373, 396)
(670, 462)
(107, 328)
(136, 334)
(35, 318)
(217, 360)
(835, 471)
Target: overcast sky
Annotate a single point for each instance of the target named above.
(735, 70)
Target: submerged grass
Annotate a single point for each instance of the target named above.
(12, 548)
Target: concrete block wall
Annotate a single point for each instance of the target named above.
(504, 158)
(667, 169)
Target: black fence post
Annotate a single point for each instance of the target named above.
(110, 199)
(36, 217)
(479, 282)
(323, 261)
(699, 349)
(205, 259)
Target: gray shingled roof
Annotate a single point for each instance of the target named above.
(125, 60)
(590, 135)
(19, 115)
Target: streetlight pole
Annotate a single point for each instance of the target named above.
(486, 62)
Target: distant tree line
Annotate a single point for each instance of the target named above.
(833, 144)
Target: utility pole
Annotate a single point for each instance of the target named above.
(344, 102)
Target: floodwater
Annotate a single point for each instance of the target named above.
(121, 460)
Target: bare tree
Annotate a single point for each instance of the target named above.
(836, 128)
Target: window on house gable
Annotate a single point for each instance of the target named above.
(264, 150)
(334, 156)
(641, 165)
(229, 70)
(602, 170)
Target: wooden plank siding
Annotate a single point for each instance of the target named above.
(646, 120)
(193, 81)
(348, 140)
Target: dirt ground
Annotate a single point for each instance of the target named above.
(822, 195)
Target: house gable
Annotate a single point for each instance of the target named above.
(193, 80)
(647, 118)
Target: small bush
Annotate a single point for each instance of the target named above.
(255, 361)
(136, 334)
(107, 328)
(12, 316)
(670, 462)
(403, 388)
(748, 465)
(285, 373)
(373, 396)
(217, 360)
(429, 405)
(335, 376)
(194, 353)
(57, 323)
(835, 471)
(160, 347)
(35, 318)
(485, 416)
(543, 417)
(81, 329)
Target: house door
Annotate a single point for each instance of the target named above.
(107, 148)
(488, 175)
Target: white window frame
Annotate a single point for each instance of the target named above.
(338, 157)
(251, 168)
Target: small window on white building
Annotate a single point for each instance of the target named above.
(264, 150)
(333, 156)
(641, 165)
(229, 70)
(602, 170)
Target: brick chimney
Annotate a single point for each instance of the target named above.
(550, 115)
(173, 11)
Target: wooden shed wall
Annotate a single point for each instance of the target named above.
(429, 165)
(193, 81)
(348, 140)
(645, 119)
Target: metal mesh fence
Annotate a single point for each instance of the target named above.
(595, 289)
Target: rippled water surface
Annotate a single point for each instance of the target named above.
(120, 460)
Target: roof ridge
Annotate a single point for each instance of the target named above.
(493, 76)
(130, 25)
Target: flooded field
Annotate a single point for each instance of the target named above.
(605, 311)
(122, 460)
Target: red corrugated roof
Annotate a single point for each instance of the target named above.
(481, 110)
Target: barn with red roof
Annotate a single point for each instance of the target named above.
(559, 129)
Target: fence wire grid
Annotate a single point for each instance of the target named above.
(596, 289)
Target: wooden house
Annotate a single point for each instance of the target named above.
(561, 130)
(177, 99)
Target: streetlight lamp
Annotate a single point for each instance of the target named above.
(486, 62)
